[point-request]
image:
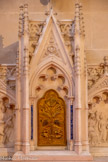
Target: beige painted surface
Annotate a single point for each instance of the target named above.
(96, 24)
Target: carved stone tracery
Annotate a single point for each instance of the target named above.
(52, 77)
(35, 30)
(67, 30)
(51, 47)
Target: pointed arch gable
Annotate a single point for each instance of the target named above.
(51, 26)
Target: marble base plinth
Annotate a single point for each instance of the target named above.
(53, 156)
(6, 152)
(99, 151)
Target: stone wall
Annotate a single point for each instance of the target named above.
(96, 24)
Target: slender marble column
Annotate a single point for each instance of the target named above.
(18, 86)
(86, 143)
(26, 108)
(77, 144)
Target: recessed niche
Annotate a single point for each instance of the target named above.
(105, 97)
(61, 80)
(96, 99)
(65, 90)
(51, 71)
(38, 89)
(42, 78)
(90, 105)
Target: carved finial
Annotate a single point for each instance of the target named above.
(77, 18)
(106, 65)
(77, 60)
(26, 28)
(21, 14)
(82, 27)
(85, 64)
(17, 63)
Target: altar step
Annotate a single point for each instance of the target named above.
(53, 156)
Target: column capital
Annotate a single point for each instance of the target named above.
(71, 98)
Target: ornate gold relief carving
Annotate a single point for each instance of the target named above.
(51, 120)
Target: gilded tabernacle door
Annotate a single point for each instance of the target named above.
(51, 120)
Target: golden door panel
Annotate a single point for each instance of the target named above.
(51, 120)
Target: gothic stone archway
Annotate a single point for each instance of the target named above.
(51, 120)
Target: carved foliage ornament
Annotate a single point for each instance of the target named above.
(96, 71)
(35, 30)
(67, 30)
(51, 120)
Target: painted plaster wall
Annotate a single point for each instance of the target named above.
(96, 25)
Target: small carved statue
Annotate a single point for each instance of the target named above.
(102, 128)
(9, 126)
(107, 130)
(93, 135)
